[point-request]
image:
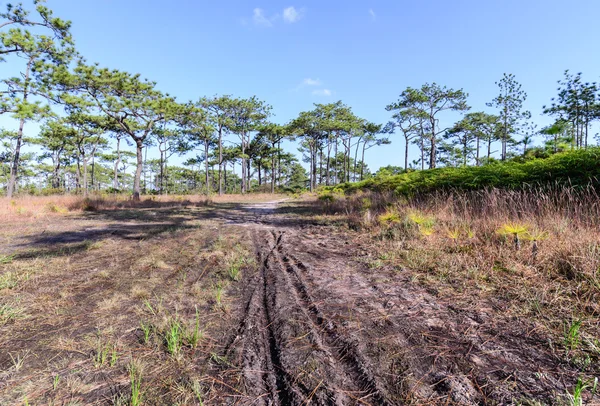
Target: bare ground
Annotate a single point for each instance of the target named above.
(307, 322)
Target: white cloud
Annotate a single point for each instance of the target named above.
(260, 18)
(291, 15)
(372, 14)
(311, 82)
(322, 92)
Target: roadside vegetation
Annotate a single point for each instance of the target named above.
(525, 251)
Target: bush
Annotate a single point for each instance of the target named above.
(576, 168)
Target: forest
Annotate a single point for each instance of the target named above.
(82, 128)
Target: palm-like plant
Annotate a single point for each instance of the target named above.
(514, 229)
(534, 236)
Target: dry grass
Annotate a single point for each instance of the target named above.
(32, 207)
(73, 317)
(529, 255)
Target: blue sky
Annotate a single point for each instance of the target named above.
(295, 53)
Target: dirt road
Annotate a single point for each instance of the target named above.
(313, 319)
(318, 326)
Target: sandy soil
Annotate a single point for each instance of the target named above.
(311, 323)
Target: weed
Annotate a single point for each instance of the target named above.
(421, 219)
(135, 378)
(9, 312)
(390, 217)
(218, 294)
(6, 259)
(453, 234)
(514, 229)
(219, 359)
(11, 280)
(173, 337)
(196, 335)
(147, 330)
(18, 360)
(55, 382)
(576, 398)
(572, 335)
(234, 271)
(106, 354)
(534, 236)
(197, 389)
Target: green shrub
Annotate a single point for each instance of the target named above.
(575, 168)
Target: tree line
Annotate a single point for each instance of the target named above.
(89, 114)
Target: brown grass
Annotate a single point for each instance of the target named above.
(28, 207)
(466, 258)
(73, 314)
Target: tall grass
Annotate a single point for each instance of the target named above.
(537, 248)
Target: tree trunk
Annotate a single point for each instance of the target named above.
(85, 176)
(243, 164)
(273, 171)
(12, 182)
(258, 165)
(356, 159)
(221, 161)
(422, 153)
(314, 167)
(335, 164)
(432, 152)
(206, 147)
(362, 166)
(144, 167)
(55, 174)
(117, 163)
(328, 163)
(93, 168)
(406, 153)
(477, 153)
(138, 169)
(279, 163)
(248, 168)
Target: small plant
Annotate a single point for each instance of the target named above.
(197, 389)
(18, 360)
(453, 234)
(6, 259)
(173, 337)
(234, 271)
(390, 217)
(576, 398)
(218, 294)
(146, 330)
(8, 313)
(572, 335)
(11, 280)
(514, 229)
(194, 337)
(469, 233)
(135, 377)
(426, 230)
(534, 236)
(106, 354)
(424, 223)
(54, 208)
(55, 382)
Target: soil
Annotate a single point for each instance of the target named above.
(312, 323)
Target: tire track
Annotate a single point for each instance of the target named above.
(344, 348)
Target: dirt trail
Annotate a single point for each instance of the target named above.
(319, 327)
